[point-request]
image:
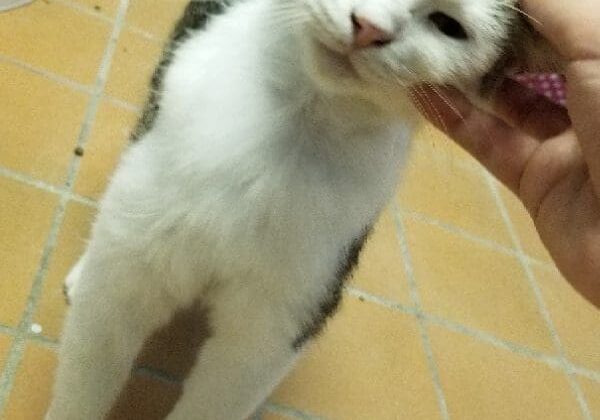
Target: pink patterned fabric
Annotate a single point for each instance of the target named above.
(551, 85)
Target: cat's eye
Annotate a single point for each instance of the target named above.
(448, 26)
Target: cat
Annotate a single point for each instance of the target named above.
(275, 135)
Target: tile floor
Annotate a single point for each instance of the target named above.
(456, 311)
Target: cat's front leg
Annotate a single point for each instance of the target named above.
(249, 352)
(113, 310)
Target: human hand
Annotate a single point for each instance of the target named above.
(548, 156)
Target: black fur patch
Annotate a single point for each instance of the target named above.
(328, 306)
(195, 17)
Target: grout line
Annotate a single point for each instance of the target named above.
(423, 218)
(42, 340)
(145, 34)
(290, 412)
(123, 104)
(30, 181)
(11, 364)
(82, 200)
(542, 306)
(416, 299)
(64, 81)
(49, 188)
(15, 354)
(6, 330)
(80, 87)
(587, 373)
(86, 10)
(516, 348)
(362, 295)
(101, 80)
(539, 263)
(554, 362)
(106, 18)
(487, 243)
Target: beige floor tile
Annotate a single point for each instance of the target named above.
(481, 288)
(155, 16)
(41, 129)
(26, 215)
(104, 7)
(70, 245)
(133, 64)
(483, 382)
(447, 191)
(4, 347)
(108, 139)
(381, 266)
(577, 321)
(32, 388)
(369, 364)
(75, 51)
(530, 240)
(591, 391)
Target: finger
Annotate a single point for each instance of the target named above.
(529, 111)
(574, 29)
(571, 26)
(585, 110)
(502, 149)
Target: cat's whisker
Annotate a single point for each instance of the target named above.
(287, 20)
(280, 16)
(436, 111)
(285, 6)
(324, 11)
(380, 73)
(422, 99)
(288, 11)
(446, 100)
(522, 12)
(455, 110)
(417, 101)
(418, 97)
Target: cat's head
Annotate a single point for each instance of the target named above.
(354, 43)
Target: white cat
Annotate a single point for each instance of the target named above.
(282, 129)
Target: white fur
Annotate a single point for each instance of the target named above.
(270, 155)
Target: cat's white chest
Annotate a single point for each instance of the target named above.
(271, 209)
(249, 175)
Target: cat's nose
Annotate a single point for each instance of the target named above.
(367, 34)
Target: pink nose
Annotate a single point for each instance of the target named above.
(367, 34)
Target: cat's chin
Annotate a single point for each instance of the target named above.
(332, 69)
(345, 75)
